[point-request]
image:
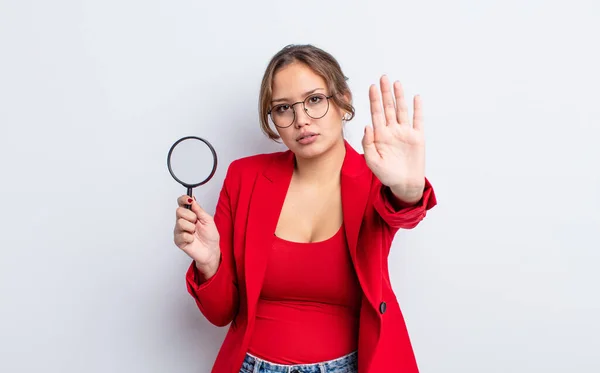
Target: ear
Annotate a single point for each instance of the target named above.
(348, 98)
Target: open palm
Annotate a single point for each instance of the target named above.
(394, 148)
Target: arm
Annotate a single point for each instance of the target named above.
(217, 297)
(397, 158)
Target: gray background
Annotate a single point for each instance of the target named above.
(500, 277)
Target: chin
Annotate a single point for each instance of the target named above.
(311, 151)
(307, 153)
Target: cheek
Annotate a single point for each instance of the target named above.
(281, 133)
(334, 126)
(287, 137)
(334, 121)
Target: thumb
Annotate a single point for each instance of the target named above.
(368, 143)
(200, 212)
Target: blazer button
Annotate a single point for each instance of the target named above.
(382, 307)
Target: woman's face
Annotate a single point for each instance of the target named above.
(307, 137)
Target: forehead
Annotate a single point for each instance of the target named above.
(294, 80)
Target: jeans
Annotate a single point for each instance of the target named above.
(344, 364)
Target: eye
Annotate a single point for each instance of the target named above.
(315, 99)
(281, 108)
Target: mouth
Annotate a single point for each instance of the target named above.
(306, 135)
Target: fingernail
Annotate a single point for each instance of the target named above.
(194, 198)
(190, 200)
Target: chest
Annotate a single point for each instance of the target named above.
(310, 213)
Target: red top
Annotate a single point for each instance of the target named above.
(309, 305)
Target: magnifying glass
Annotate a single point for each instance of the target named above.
(194, 161)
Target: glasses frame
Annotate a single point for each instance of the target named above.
(303, 102)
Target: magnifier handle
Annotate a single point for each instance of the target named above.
(189, 193)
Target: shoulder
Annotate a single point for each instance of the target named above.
(249, 166)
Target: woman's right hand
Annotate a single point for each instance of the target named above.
(196, 234)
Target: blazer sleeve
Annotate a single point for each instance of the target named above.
(398, 214)
(218, 297)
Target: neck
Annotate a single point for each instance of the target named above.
(321, 169)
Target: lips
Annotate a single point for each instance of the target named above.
(305, 135)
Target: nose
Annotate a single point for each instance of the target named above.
(302, 118)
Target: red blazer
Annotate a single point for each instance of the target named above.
(246, 216)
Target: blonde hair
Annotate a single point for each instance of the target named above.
(322, 63)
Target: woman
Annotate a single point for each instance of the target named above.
(296, 255)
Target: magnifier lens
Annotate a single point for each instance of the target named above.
(192, 161)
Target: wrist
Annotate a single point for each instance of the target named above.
(208, 269)
(408, 196)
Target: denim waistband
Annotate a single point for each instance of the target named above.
(344, 364)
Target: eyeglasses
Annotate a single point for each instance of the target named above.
(315, 106)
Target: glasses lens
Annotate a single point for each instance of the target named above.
(316, 105)
(282, 115)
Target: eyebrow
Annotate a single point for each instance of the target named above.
(305, 94)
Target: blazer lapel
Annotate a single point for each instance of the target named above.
(265, 207)
(356, 186)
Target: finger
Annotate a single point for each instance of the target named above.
(184, 225)
(418, 113)
(389, 107)
(183, 239)
(184, 213)
(368, 144)
(202, 215)
(401, 108)
(376, 112)
(184, 200)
